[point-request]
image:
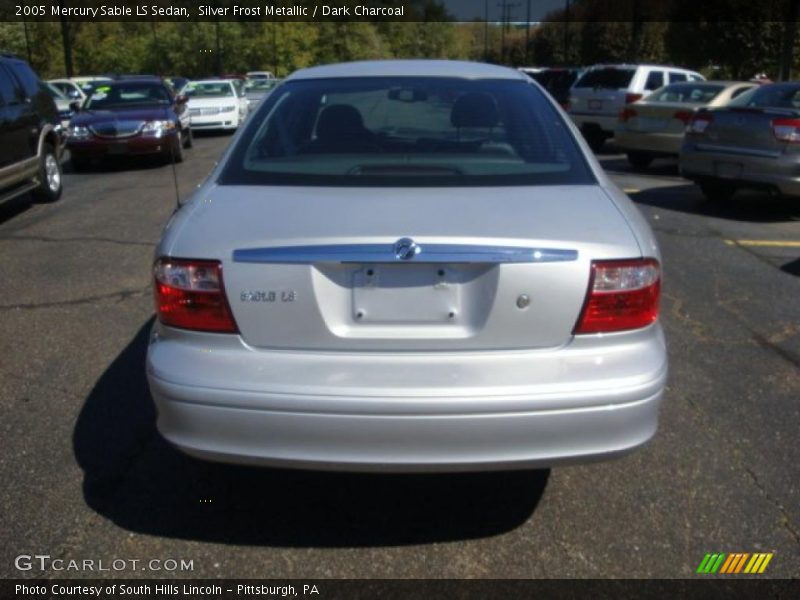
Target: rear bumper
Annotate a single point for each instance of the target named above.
(657, 144)
(401, 412)
(220, 121)
(780, 173)
(606, 123)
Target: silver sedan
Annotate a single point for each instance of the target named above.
(753, 142)
(407, 266)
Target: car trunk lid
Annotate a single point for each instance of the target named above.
(499, 268)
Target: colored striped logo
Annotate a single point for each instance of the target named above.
(734, 563)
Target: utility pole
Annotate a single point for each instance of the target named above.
(789, 36)
(566, 32)
(527, 31)
(156, 49)
(65, 41)
(218, 54)
(636, 30)
(504, 8)
(275, 48)
(486, 30)
(27, 41)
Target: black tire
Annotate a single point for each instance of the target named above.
(50, 176)
(640, 160)
(718, 192)
(176, 154)
(188, 141)
(79, 164)
(595, 139)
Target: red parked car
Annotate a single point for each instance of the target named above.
(130, 117)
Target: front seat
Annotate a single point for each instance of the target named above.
(340, 129)
(475, 110)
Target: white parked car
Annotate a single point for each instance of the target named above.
(260, 75)
(603, 91)
(216, 104)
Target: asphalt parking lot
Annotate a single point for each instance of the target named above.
(86, 476)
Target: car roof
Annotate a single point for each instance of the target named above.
(211, 81)
(725, 83)
(409, 68)
(129, 80)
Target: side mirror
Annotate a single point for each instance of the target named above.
(75, 106)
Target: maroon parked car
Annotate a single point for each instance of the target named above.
(130, 117)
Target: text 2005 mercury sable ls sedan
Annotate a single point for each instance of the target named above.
(407, 266)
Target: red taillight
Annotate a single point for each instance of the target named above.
(699, 123)
(631, 98)
(623, 295)
(189, 294)
(786, 130)
(626, 114)
(684, 116)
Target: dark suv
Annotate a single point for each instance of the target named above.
(31, 140)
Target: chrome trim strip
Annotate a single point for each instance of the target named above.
(385, 253)
(738, 150)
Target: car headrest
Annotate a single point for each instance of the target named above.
(475, 109)
(339, 120)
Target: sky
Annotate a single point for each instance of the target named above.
(467, 10)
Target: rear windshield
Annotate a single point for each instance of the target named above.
(406, 131)
(120, 95)
(689, 93)
(606, 77)
(770, 96)
(222, 89)
(558, 80)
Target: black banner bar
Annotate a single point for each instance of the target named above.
(705, 587)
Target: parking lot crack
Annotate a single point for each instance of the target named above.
(786, 519)
(119, 296)
(42, 238)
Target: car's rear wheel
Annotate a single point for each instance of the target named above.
(50, 179)
(188, 140)
(718, 192)
(640, 160)
(595, 139)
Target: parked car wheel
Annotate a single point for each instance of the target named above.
(188, 140)
(50, 179)
(176, 153)
(79, 163)
(640, 160)
(595, 139)
(718, 192)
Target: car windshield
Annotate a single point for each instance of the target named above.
(697, 93)
(214, 89)
(259, 85)
(606, 77)
(123, 95)
(406, 131)
(770, 96)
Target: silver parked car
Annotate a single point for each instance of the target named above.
(407, 266)
(753, 142)
(654, 126)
